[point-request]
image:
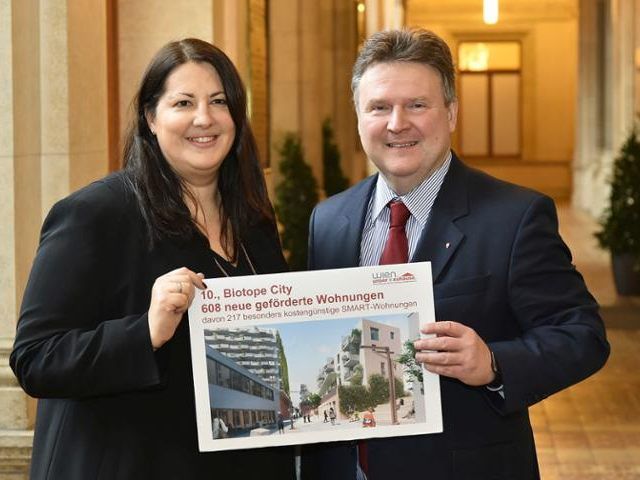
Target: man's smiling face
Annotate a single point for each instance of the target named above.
(404, 125)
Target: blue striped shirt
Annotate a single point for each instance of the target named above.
(419, 202)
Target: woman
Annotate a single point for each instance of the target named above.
(102, 337)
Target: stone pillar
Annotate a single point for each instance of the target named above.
(284, 55)
(19, 204)
(88, 98)
(312, 49)
(343, 53)
(310, 77)
(53, 108)
(586, 102)
(604, 106)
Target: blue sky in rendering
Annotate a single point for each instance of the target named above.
(308, 345)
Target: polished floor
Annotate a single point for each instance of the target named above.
(592, 430)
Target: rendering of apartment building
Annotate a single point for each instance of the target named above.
(352, 359)
(374, 360)
(362, 353)
(244, 375)
(240, 398)
(252, 348)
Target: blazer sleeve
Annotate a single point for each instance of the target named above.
(64, 347)
(563, 339)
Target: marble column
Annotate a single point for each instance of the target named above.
(312, 49)
(604, 98)
(53, 108)
(19, 200)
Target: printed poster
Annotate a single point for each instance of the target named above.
(307, 357)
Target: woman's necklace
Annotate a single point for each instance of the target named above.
(246, 255)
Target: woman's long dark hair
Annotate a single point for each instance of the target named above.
(159, 189)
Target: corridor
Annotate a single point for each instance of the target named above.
(592, 430)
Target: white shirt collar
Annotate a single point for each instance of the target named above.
(419, 200)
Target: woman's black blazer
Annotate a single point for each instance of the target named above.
(110, 407)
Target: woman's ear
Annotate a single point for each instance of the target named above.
(150, 118)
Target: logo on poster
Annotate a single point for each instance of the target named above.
(381, 278)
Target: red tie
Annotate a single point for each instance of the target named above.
(363, 457)
(396, 250)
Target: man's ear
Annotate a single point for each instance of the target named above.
(452, 115)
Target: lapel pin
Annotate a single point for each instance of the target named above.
(447, 245)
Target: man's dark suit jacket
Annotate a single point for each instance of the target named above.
(500, 267)
(111, 407)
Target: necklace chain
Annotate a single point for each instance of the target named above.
(246, 255)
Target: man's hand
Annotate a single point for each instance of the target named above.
(456, 351)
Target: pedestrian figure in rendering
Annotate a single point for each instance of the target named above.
(332, 416)
(280, 423)
(368, 420)
(219, 428)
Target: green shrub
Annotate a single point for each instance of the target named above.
(296, 195)
(334, 180)
(620, 223)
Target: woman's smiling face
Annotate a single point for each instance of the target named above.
(192, 122)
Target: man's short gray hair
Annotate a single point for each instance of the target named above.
(407, 45)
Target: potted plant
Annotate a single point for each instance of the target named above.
(334, 179)
(296, 195)
(620, 223)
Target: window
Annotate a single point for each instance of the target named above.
(236, 381)
(490, 104)
(392, 335)
(211, 371)
(375, 333)
(255, 389)
(246, 384)
(224, 376)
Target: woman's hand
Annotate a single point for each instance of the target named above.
(171, 295)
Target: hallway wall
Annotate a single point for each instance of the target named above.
(549, 64)
(55, 139)
(59, 114)
(605, 110)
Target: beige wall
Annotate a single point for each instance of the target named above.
(146, 25)
(54, 104)
(549, 64)
(88, 95)
(554, 92)
(312, 48)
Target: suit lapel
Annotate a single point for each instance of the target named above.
(441, 237)
(350, 223)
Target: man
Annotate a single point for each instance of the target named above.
(515, 320)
